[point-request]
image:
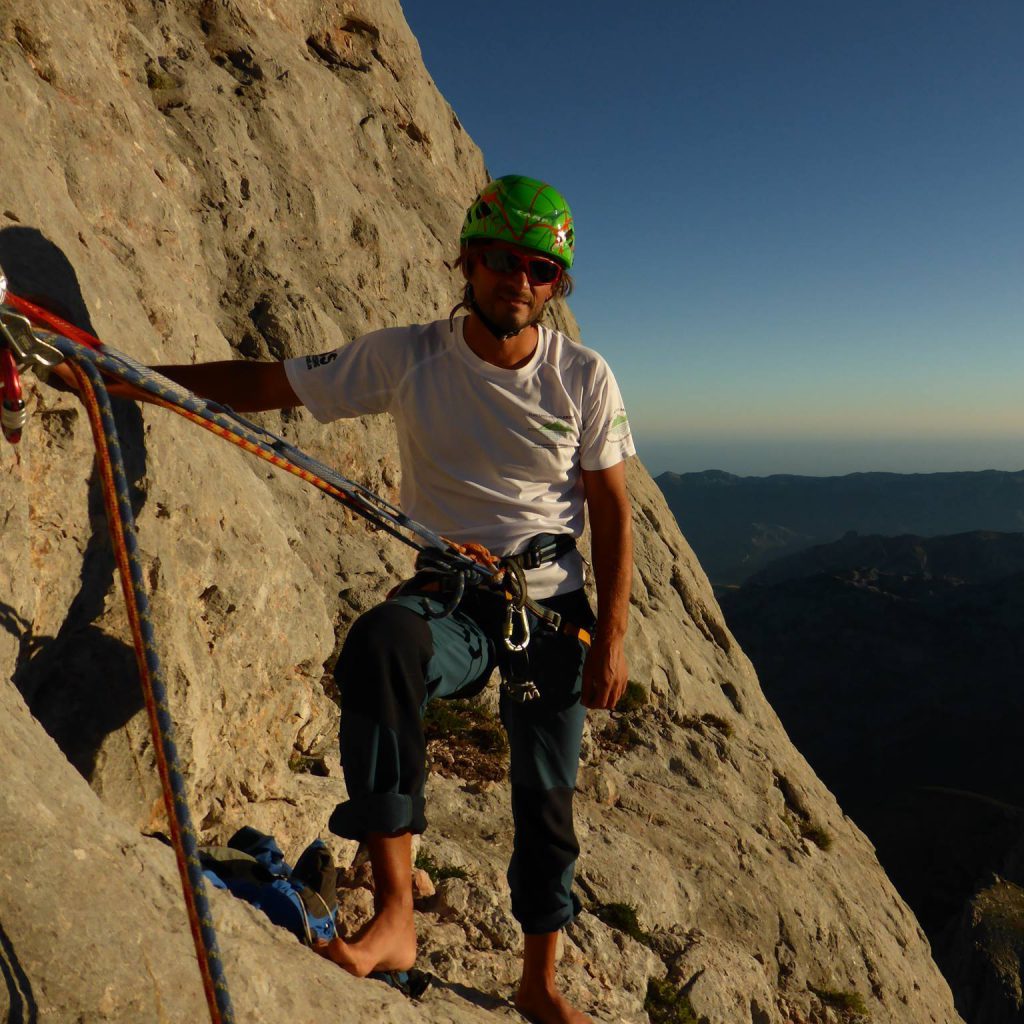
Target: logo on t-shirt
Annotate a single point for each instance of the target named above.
(312, 362)
(555, 432)
(618, 428)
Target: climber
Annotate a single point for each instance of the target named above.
(506, 429)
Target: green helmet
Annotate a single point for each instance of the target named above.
(524, 212)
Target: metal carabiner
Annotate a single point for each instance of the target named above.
(508, 629)
(20, 350)
(31, 351)
(12, 410)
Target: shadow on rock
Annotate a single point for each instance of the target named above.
(80, 684)
(484, 1000)
(22, 1007)
(81, 687)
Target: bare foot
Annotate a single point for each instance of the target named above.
(546, 1005)
(387, 942)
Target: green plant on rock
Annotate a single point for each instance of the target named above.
(306, 764)
(667, 1004)
(620, 732)
(463, 719)
(816, 834)
(633, 699)
(622, 917)
(717, 722)
(438, 872)
(465, 740)
(849, 1002)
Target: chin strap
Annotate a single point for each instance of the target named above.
(469, 302)
(492, 327)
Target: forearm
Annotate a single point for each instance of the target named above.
(612, 556)
(245, 386)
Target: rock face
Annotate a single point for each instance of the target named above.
(219, 179)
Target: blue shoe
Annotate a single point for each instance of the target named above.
(412, 983)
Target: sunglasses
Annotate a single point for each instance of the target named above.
(499, 259)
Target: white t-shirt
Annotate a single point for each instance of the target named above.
(488, 454)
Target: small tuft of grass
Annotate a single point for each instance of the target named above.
(816, 834)
(719, 723)
(633, 699)
(438, 872)
(622, 917)
(464, 740)
(666, 1004)
(621, 733)
(850, 1002)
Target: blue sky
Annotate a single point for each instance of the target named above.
(800, 225)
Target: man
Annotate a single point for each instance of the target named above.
(505, 429)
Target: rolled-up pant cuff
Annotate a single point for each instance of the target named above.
(553, 922)
(387, 813)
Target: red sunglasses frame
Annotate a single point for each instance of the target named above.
(524, 263)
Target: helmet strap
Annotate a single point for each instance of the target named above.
(490, 325)
(469, 302)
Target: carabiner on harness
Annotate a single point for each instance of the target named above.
(512, 615)
(516, 676)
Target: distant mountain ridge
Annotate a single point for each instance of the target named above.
(980, 556)
(895, 664)
(737, 525)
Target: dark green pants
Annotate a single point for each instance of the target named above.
(394, 662)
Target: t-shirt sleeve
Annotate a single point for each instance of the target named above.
(355, 380)
(605, 440)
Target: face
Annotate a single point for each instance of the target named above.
(508, 300)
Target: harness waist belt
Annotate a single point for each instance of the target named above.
(543, 549)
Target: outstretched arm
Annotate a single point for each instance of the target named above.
(605, 673)
(245, 386)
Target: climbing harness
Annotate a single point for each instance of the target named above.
(510, 581)
(516, 675)
(33, 338)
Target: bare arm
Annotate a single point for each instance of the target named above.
(605, 674)
(245, 386)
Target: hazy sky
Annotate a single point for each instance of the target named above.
(800, 225)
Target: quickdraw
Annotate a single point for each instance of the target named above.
(516, 676)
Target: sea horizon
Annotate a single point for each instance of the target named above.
(759, 457)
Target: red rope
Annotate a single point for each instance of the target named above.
(117, 538)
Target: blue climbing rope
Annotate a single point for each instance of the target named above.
(121, 522)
